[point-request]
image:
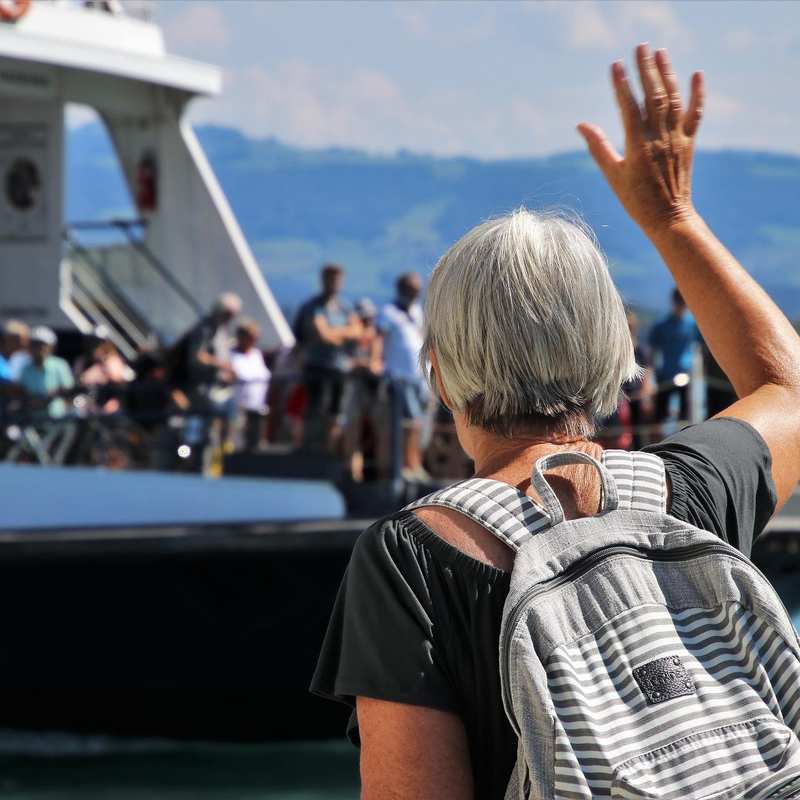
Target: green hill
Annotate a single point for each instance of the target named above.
(381, 215)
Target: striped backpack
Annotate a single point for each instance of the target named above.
(640, 657)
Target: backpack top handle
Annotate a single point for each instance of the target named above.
(609, 497)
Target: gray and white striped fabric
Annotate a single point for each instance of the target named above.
(640, 657)
(514, 517)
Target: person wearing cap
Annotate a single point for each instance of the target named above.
(47, 377)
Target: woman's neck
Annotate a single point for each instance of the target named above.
(492, 454)
(511, 461)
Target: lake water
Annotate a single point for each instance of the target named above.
(155, 770)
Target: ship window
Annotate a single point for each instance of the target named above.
(23, 183)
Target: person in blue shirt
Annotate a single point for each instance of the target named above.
(671, 342)
(47, 377)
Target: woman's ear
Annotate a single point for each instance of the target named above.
(438, 381)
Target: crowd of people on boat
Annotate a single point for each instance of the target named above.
(352, 387)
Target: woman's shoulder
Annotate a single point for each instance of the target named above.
(431, 538)
(725, 445)
(721, 478)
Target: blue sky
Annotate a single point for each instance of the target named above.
(490, 79)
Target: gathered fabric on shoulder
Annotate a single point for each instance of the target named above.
(417, 621)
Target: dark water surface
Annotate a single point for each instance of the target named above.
(149, 771)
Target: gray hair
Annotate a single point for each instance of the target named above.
(230, 302)
(528, 327)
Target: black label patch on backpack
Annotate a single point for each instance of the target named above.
(663, 679)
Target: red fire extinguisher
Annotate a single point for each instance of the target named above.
(147, 183)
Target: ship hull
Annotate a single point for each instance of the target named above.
(212, 635)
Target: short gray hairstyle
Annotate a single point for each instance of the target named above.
(230, 302)
(528, 327)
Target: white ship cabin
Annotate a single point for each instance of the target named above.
(147, 278)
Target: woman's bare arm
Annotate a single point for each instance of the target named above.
(412, 753)
(748, 335)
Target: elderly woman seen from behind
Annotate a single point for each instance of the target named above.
(529, 346)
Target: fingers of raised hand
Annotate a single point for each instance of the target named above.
(670, 82)
(697, 102)
(628, 106)
(603, 152)
(655, 95)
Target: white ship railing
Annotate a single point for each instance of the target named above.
(110, 278)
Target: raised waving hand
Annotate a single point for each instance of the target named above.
(653, 180)
(747, 333)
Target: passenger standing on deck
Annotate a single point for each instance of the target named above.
(252, 384)
(400, 326)
(325, 326)
(210, 343)
(529, 345)
(47, 378)
(672, 343)
(199, 365)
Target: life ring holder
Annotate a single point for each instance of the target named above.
(13, 10)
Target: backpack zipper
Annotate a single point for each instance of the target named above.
(583, 565)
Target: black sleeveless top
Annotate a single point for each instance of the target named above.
(417, 621)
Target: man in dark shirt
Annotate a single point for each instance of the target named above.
(199, 364)
(324, 327)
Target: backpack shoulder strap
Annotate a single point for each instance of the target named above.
(503, 510)
(640, 478)
(513, 517)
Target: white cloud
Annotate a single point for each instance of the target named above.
(424, 21)
(200, 25)
(415, 19)
(76, 116)
(723, 107)
(589, 29)
(607, 26)
(312, 107)
(656, 14)
(487, 79)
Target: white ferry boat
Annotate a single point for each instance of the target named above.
(140, 603)
(161, 601)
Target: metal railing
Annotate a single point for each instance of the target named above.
(110, 277)
(176, 435)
